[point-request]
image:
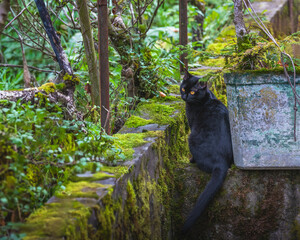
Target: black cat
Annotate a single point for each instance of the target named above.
(209, 141)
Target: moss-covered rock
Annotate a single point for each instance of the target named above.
(66, 219)
(251, 204)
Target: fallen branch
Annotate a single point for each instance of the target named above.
(61, 93)
(64, 96)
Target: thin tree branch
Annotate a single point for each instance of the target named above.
(26, 73)
(153, 16)
(34, 27)
(67, 24)
(30, 67)
(34, 18)
(48, 53)
(17, 15)
(71, 16)
(29, 37)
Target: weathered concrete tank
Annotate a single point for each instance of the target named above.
(261, 110)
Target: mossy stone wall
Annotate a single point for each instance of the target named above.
(252, 205)
(131, 201)
(150, 195)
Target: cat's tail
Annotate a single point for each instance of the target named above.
(215, 183)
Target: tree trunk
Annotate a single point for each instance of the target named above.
(91, 57)
(239, 23)
(4, 9)
(183, 35)
(122, 43)
(104, 63)
(61, 57)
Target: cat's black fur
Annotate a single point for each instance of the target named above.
(209, 141)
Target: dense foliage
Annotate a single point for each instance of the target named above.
(39, 150)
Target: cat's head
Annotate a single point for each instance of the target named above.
(192, 90)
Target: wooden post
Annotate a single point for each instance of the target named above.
(183, 36)
(104, 63)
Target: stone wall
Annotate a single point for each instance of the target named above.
(149, 196)
(282, 14)
(129, 201)
(251, 205)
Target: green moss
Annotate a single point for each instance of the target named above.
(118, 171)
(203, 72)
(167, 98)
(267, 70)
(96, 177)
(131, 209)
(226, 35)
(158, 113)
(106, 217)
(63, 220)
(131, 140)
(135, 121)
(71, 78)
(158, 110)
(42, 97)
(60, 86)
(215, 62)
(80, 189)
(216, 48)
(174, 89)
(48, 87)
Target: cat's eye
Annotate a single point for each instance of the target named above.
(192, 92)
(183, 89)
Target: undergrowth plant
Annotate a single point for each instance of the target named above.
(39, 151)
(260, 53)
(218, 15)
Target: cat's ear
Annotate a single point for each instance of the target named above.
(187, 75)
(202, 84)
